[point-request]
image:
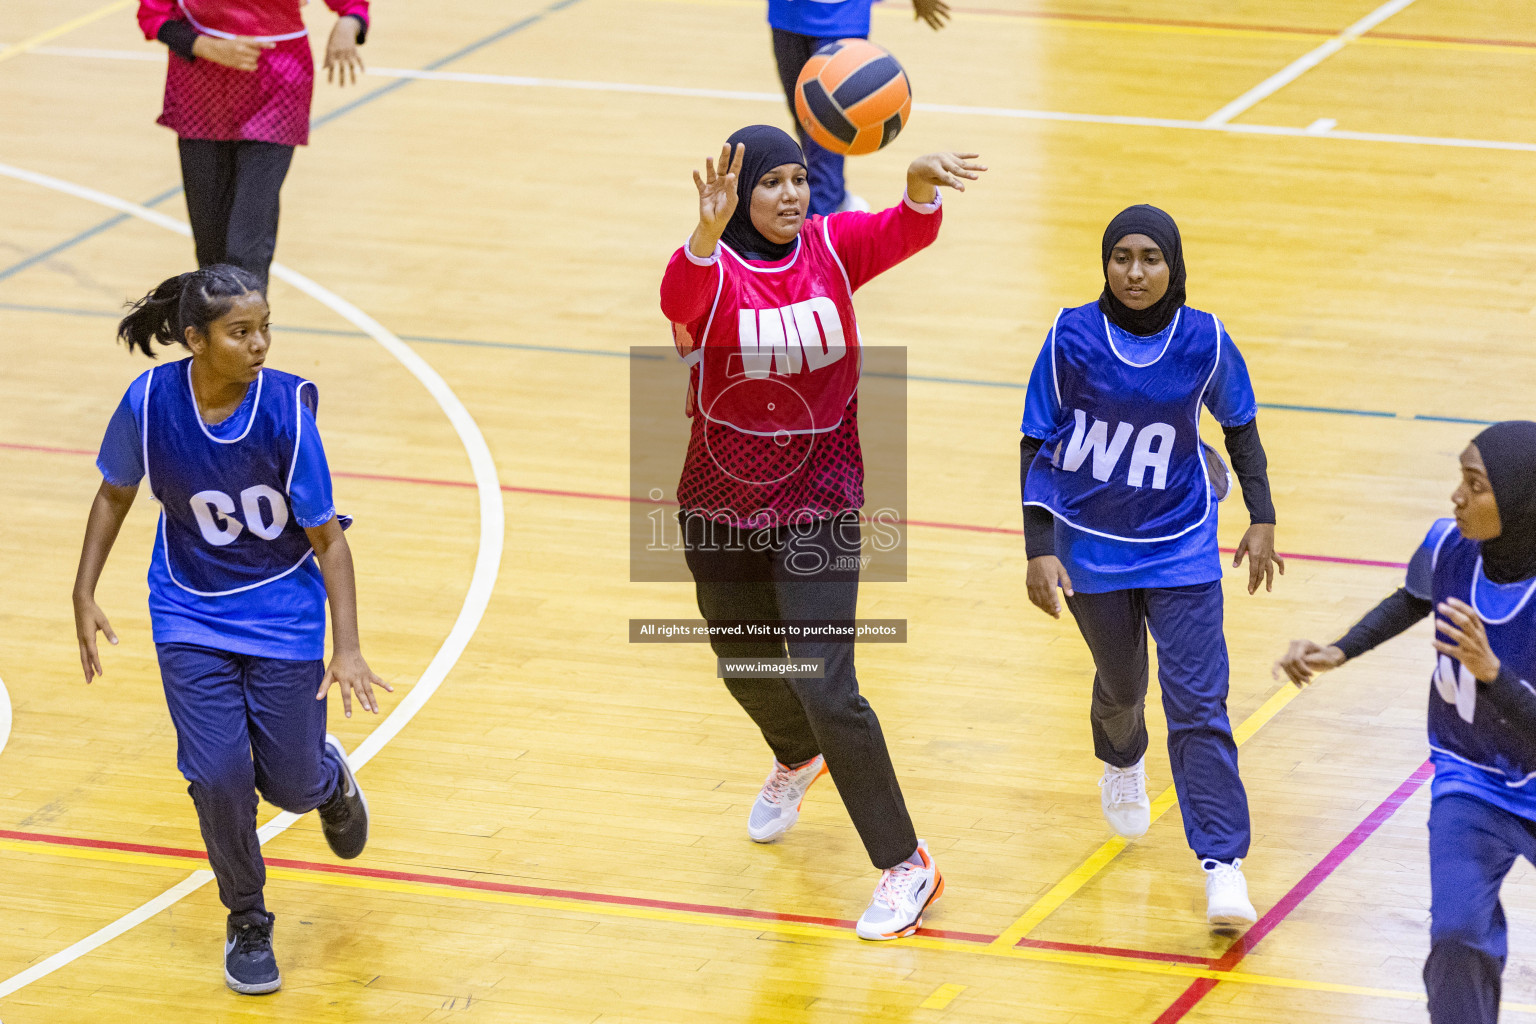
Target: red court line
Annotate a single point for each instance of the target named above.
(1451, 39)
(1202, 987)
(1134, 954)
(580, 896)
(1103, 19)
(45, 448)
(628, 499)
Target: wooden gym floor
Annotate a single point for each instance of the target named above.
(559, 815)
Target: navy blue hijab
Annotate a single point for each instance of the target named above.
(1158, 226)
(1509, 456)
(767, 148)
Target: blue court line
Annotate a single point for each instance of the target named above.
(427, 339)
(346, 108)
(91, 232)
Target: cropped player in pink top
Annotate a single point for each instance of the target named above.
(761, 302)
(237, 94)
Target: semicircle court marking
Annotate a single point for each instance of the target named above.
(481, 585)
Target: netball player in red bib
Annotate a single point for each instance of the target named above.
(237, 94)
(761, 302)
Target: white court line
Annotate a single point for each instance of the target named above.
(949, 108)
(5, 715)
(1306, 62)
(481, 584)
(95, 54)
(1282, 131)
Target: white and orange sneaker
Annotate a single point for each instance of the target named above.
(777, 807)
(904, 893)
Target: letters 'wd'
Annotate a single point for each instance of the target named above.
(1154, 445)
(801, 336)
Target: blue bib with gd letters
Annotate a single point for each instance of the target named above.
(1461, 726)
(225, 520)
(1126, 462)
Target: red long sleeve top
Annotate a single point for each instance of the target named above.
(755, 330)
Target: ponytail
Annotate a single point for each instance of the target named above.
(193, 300)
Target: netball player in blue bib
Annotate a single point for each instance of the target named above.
(1478, 571)
(1120, 514)
(248, 548)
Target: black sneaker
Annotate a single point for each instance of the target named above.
(249, 966)
(344, 815)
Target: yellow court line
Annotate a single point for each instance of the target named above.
(786, 928)
(64, 29)
(1065, 889)
(941, 997)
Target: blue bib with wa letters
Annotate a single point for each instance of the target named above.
(1126, 461)
(225, 519)
(1460, 725)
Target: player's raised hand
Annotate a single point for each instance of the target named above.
(1469, 639)
(717, 197)
(1045, 576)
(1258, 544)
(1305, 659)
(89, 619)
(934, 12)
(352, 674)
(952, 170)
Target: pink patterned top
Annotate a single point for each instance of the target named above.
(204, 100)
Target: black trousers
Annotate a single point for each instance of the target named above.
(795, 574)
(232, 190)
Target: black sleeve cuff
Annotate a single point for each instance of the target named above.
(1513, 699)
(179, 37)
(1251, 467)
(362, 32)
(1039, 525)
(1389, 618)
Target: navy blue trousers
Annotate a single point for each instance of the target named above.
(1186, 623)
(825, 168)
(245, 723)
(1472, 846)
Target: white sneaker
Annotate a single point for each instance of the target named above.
(777, 807)
(904, 892)
(1226, 895)
(858, 204)
(1123, 792)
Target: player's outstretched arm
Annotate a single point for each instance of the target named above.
(1044, 577)
(951, 170)
(1304, 659)
(1258, 544)
(717, 199)
(108, 511)
(347, 667)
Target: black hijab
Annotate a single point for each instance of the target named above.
(1509, 455)
(767, 148)
(1158, 226)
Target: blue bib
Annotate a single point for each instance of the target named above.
(1126, 462)
(225, 521)
(1460, 725)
